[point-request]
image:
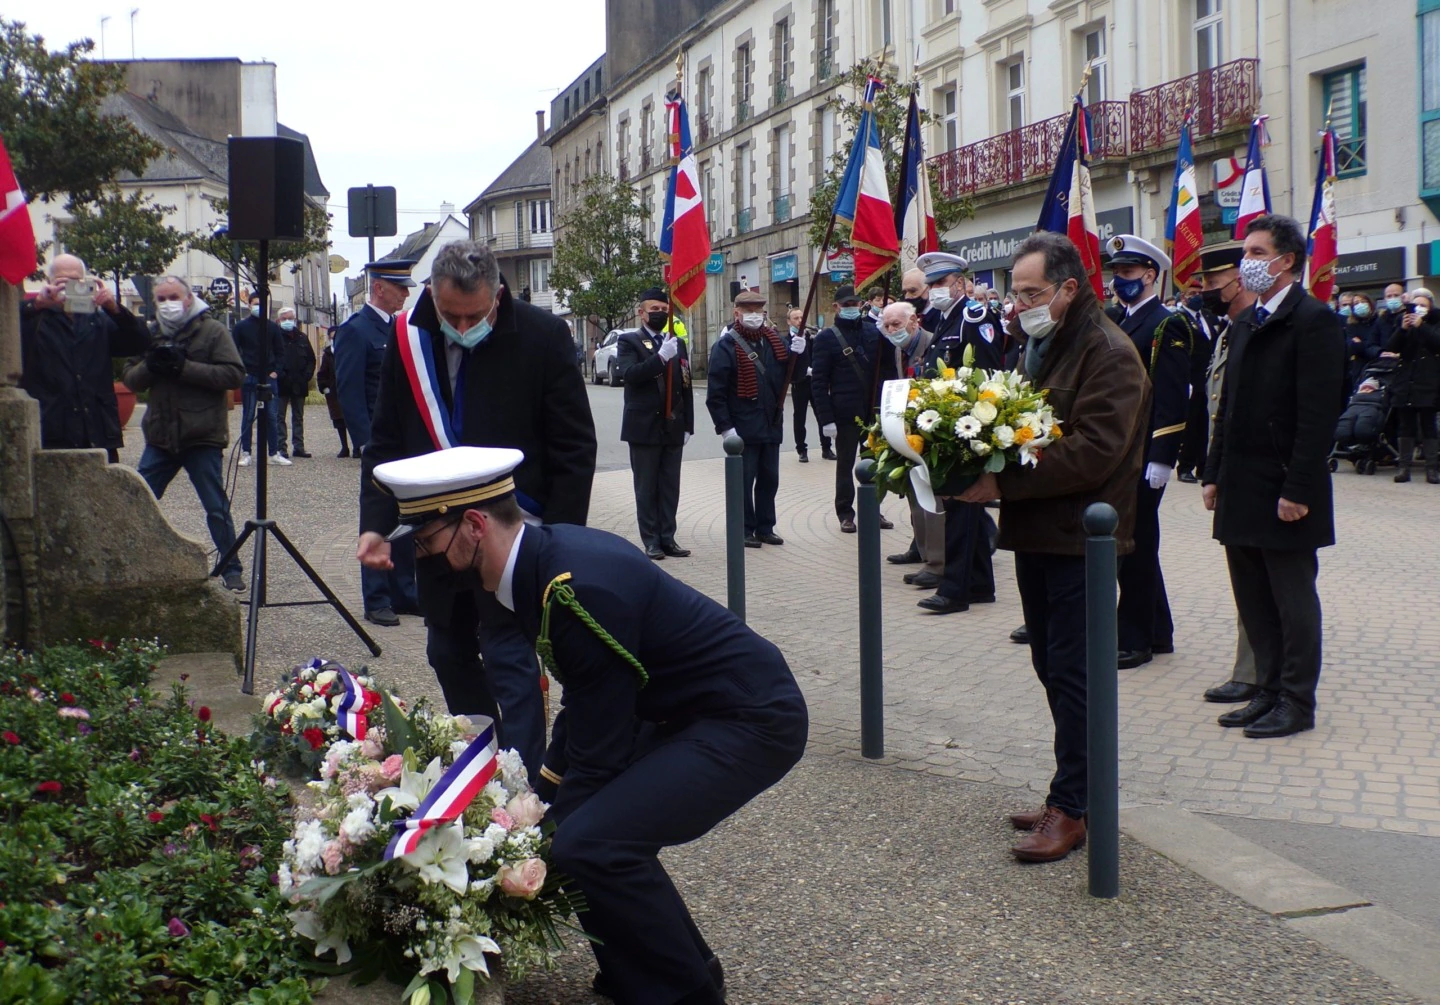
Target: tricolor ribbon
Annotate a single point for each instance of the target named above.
(351, 712)
(455, 790)
(418, 359)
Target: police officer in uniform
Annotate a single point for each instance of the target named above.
(646, 361)
(359, 349)
(1164, 341)
(720, 716)
(800, 390)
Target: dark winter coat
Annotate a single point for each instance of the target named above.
(1362, 421)
(1363, 342)
(640, 368)
(846, 385)
(247, 340)
(756, 420)
(67, 368)
(1416, 383)
(190, 410)
(1285, 385)
(299, 365)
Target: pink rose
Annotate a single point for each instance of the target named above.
(499, 816)
(523, 880)
(391, 768)
(333, 856)
(525, 809)
(372, 747)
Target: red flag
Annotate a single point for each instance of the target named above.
(684, 235)
(17, 234)
(1323, 251)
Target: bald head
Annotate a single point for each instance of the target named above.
(66, 267)
(913, 285)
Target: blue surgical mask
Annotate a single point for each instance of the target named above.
(1362, 310)
(1345, 311)
(849, 313)
(1394, 304)
(1129, 290)
(288, 326)
(471, 337)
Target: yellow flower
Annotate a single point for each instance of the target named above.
(917, 443)
(1024, 435)
(914, 393)
(948, 373)
(1055, 433)
(989, 396)
(871, 442)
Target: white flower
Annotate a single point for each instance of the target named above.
(1004, 437)
(911, 406)
(457, 748)
(480, 850)
(967, 426)
(284, 879)
(307, 923)
(512, 771)
(1030, 453)
(414, 786)
(440, 858)
(997, 387)
(926, 420)
(962, 375)
(306, 691)
(327, 677)
(468, 951)
(356, 827)
(985, 411)
(979, 448)
(309, 843)
(495, 834)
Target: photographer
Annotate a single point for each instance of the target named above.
(1415, 391)
(190, 368)
(68, 335)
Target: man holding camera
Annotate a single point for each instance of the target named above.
(68, 334)
(191, 367)
(294, 384)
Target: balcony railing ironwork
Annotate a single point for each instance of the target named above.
(645, 160)
(782, 208)
(744, 220)
(623, 170)
(519, 242)
(1224, 97)
(742, 112)
(782, 92)
(702, 122)
(825, 65)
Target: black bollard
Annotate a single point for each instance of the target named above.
(735, 523)
(1103, 707)
(872, 665)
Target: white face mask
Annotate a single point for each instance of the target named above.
(898, 338)
(170, 311)
(941, 298)
(254, 310)
(752, 320)
(1255, 274)
(1037, 321)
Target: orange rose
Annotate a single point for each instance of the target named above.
(917, 442)
(1055, 433)
(1024, 435)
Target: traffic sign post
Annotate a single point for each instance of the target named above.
(372, 213)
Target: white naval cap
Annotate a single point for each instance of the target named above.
(938, 264)
(1125, 248)
(429, 486)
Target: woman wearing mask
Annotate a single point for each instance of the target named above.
(1363, 336)
(1415, 391)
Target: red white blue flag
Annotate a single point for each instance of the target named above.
(1069, 206)
(684, 234)
(863, 201)
(418, 361)
(1184, 236)
(915, 215)
(17, 234)
(456, 789)
(1255, 190)
(1324, 224)
(351, 711)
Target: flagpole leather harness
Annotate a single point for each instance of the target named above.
(560, 592)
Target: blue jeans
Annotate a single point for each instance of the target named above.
(203, 465)
(247, 419)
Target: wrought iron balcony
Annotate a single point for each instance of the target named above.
(702, 122)
(742, 112)
(782, 92)
(782, 208)
(1224, 97)
(825, 65)
(744, 220)
(623, 170)
(519, 242)
(645, 160)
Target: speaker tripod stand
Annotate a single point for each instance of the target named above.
(262, 526)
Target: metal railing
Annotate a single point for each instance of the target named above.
(1224, 97)
(825, 65)
(782, 92)
(645, 160)
(1350, 157)
(782, 208)
(520, 241)
(702, 123)
(742, 112)
(622, 170)
(744, 220)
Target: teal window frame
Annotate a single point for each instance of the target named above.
(1350, 158)
(1429, 117)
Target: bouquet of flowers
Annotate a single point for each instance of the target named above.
(423, 856)
(937, 436)
(315, 705)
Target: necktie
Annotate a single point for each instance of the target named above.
(1261, 315)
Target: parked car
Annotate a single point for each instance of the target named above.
(604, 368)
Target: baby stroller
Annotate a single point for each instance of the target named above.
(1360, 435)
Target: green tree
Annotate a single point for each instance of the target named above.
(602, 260)
(52, 119)
(120, 236)
(244, 256)
(892, 105)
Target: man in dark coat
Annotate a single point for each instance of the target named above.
(747, 379)
(801, 390)
(720, 716)
(1206, 328)
(247, 333)
(67, 360)
(1165, 341)
(1267, 479)
(325, 384)
(294, 383)
(1415, 389)
(849, 366)
(650, 365)
(488, 369)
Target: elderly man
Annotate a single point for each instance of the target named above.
(248, 333)
(67, 342)
(475, 365)
(1267, 478)
(189, 370)
(1100, 393)
(294, 383)
(900, 326)
(800, 388)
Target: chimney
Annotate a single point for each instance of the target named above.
(540, 124)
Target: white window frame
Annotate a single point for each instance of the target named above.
(950, 123)
(1099, 87)
(1013, 94)
(1211, 25)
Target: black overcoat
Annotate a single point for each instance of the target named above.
(642, 371)
(1416, 383)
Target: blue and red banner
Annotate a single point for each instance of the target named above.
(863, 201)
(915, 215)
(1069, 206)
(456, 789)
(1184, 236)
(418, 361)
(1255, 190)
(1323, 243)
(684, 233)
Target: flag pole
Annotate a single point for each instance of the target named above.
(669, 289)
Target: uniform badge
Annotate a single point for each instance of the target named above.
(648, 344)
(987, 332)
(684, 373)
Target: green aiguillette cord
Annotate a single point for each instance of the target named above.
(559, 591)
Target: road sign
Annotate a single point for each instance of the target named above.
(338, 265)
(372, 211)
(221, 287)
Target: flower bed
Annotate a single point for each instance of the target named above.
(140, 847)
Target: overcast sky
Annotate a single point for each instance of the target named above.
(435, 98)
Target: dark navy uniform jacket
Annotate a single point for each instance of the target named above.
(703, 662)
(981, 329)
(1164, 341)
(642, 371)
(845, 385)
(360, 345)
(756, 420)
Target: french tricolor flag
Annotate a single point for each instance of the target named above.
(351, 712)
(456, 790)
(863, 201)
(915, 216)
(1255, 191)
(417, 359)
(1069, 206)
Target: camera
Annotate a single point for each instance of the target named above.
(166, 357)
(79, 296)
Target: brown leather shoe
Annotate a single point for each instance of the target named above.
(1055, 836)
(1027, 820)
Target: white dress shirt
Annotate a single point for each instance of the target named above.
(505, 592)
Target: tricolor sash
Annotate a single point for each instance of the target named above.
(418, 359)
(351, 712)
(455, 790)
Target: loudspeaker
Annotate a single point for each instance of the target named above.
(267, 189)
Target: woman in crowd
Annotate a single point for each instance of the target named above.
(1363, 336)
(1415, 391)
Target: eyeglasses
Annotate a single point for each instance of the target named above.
(1028, 299)
(423, 545)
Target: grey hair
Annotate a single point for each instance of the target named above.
(166, 280)
(50, 271)
(284, 310)
(466, 265)
(1062, 258)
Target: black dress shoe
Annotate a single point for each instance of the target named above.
(1259, 707)
(847, 525)
(911, 557)
(674, 550)
(1285, 719)
(886, 524)
(804, 457)
(1021, 636)
(655, 553)
(302, 453)
(382, 616)
(411, 609)
(770, 538)
(1187, 477)
(828, 454)
(937, 604)
(1163, 648)
(1231, 691)
(601, 985)
(751, 541)
(923, 579)
(1132, 658)
(345, 452)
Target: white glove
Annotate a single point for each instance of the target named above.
(797, 344)
(809, 371)
(668, 348)
(1157, 475)
(828, 430)
(685, 442)
(729, 432)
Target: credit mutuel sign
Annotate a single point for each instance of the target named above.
(997, 250)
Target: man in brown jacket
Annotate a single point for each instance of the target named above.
(1098, 387)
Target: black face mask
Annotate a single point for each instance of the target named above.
(921, 304)
(655, 320)
(1214, 302)
(1195, 301)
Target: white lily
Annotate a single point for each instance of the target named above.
(307, 923)
(441, 857)
(469, 951)
(414, 786)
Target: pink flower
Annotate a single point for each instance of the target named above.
(73, 713)
(333, 856)
(523, 880)
(178, 928)
(392, 766)
(499, 816)
(372, 747)
(525, 809)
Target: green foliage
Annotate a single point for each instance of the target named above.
(892, 106)
(61, 142)
(137, 843)
(602, 260)
(247, 265)
(120, 236)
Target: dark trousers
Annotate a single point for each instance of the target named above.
(1144, 613)
(656, 472)
(249, 396)
(677, 790)
(1052, 594)
(1417, 422)
(762, 481)
(847, 446)
(294, 405)
(1197, 431)
(804, 403)
(485, 666)
(968, 569)
(1280, 609)
(204, 466)
(392, 588)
